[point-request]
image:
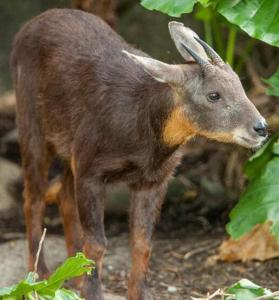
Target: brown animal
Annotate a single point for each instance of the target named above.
(114, 116)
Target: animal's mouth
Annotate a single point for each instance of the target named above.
(251, 143)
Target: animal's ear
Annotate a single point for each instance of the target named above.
(184, 35)
(162, 72)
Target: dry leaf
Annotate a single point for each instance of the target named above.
(259, 244)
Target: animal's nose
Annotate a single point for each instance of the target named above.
(261, 129)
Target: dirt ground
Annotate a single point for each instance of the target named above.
(181, 266)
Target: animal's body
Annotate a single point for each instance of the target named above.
(110, 120)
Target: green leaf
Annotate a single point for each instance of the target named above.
(275, 148)
(63, 294)
(7, 290)
(22, 288)
(49, 289)
(243, 294)
(274, 83)
(259, 18)
(72, 267)
(246, 284)
(259, 203)
(257, 162)
(245, 289)
(204, 14)
(173, 8)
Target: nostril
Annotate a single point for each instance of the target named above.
(261, 129)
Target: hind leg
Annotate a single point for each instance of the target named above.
(35, 162)
(69, 212)
(71, 222)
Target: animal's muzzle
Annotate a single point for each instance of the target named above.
(261, 128)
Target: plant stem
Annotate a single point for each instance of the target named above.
(217, 36)
(231, 46)
(247, 50)
(208, 32)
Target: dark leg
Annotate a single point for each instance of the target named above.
(35, 161)
(90, 195)
(145, 209)
(69, 211)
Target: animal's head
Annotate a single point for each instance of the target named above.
(208, 93)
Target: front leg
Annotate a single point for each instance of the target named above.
(90, 195)
(145, 210)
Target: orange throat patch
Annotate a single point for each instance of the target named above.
(177, 129)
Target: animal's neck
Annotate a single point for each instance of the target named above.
(166, 117)
(177, 130)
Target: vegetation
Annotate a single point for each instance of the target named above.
(244, 289)
(31, 289)
(259, 18)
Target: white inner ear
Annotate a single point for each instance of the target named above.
(160, 71)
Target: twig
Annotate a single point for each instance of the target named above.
(38, 256)
(268, 296)
(219, 292)
(199, 250)
(39, 250)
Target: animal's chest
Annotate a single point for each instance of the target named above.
(147, 173)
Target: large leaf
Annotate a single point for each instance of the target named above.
(22, 288)
(274, 83)
(259, 203)
(173, 8)
(259, 18)
(258, 161)
(50, 289)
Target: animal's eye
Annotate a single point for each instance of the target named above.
(213, 97)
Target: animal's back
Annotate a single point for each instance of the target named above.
(70, 33)
(59, 60)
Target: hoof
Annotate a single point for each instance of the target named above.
(92, 289)
(141, 292)
(43, 271)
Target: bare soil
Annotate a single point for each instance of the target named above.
(184, 267)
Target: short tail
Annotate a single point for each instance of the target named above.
(54, 188)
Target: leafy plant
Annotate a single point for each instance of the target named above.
(31, 289)
(243, 290)
(260, 202)
(274, 83)
(260, 19)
